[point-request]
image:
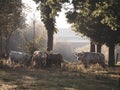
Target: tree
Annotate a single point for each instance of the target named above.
(92, 46)
(39, 39)
(109, 11)
(11, 16)
(49, 9)
(84, 20)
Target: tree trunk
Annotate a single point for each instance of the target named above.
(92, 47)
(50, 26)
(50, 34)
(1, 43)
(111, 62)
(117, 55)
(99, 48)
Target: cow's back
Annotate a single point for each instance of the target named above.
(92, 58)
(19, 57)
(54, 59)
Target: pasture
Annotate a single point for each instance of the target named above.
(70, 77)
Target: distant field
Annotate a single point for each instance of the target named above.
(66, 78)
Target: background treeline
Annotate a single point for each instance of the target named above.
(99, 20)
(15, 34)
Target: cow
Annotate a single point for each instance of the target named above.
(18, 57)
(39, 59)
(54, 59)
(91, 58)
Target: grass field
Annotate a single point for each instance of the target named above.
(22, 78)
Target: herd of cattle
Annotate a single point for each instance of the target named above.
(38, 59)
(43, 59)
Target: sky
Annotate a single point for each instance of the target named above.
(65, 32)
(61, 21)
(30, 10)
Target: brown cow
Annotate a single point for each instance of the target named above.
(54, 59)
(39, 59)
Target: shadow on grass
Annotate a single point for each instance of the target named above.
(21, 78)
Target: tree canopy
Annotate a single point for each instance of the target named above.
(49, 10)
(11, 19)
(98, 21)
(109, 10)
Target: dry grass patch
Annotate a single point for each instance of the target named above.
(72, 76)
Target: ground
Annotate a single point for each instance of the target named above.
(22, 78)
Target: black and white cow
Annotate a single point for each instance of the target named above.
(19, 57)
(88, 58)
(39, 59)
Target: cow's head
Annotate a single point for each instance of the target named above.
(43, 58)
(79, 56)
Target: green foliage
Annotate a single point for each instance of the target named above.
(11, 14)
(99, 20)
(94, 20)
(109, 10)
(49, 10)
(34, 45)
(11, 18)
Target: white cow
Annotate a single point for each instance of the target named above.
(91, 58)
(18, 57)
